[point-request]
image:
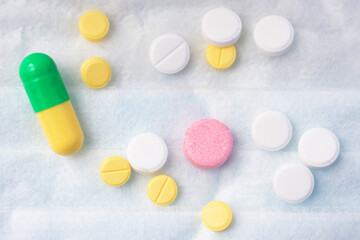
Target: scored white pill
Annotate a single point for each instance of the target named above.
(293, 182)
(271, 131)
(221, 27)
(318, 147)
(147, 153)
(273, 35)
(169, 53)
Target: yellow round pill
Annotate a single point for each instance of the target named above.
(220, 57)
(162, 190)
(95, 72)
(115, 171)
(217, 216)
(94, 26)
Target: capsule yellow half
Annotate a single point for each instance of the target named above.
(51, 103)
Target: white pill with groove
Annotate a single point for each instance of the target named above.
(169, 53)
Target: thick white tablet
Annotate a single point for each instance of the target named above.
(221, 27)
(271, 131)
(293, 182)
(147, 153)
(169, 53)
(273, 35)
(318, 147)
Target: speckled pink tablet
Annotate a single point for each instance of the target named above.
(207, 143)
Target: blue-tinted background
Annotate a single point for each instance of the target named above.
(316, 84)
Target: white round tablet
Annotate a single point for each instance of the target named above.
(271, 131)
(318, 147)
(147, 153)
(293, 182)
(169, 53)
(273, 35)
(221, 27)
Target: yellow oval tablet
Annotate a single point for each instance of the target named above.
(94, 26)
(220, 57)
(217, 216)
(162, 190)
(115, 171)
(95, 72)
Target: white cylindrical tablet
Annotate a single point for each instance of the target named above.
(271, 131)
(319, 147)
(147, 153)
(221, 27)
(273, 35)
(293, 182)
(169, 53)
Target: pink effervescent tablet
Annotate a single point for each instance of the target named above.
(207, 143)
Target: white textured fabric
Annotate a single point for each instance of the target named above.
(316, 84)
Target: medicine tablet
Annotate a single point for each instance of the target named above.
(94, 26)
(95, 72)
(220, 58)
(147, 153)
(319, 147)
(273, 35)
(271, 131)
(217, 216)
(207, 143)
(169, 53)
(115, 171)
(293, 182)
(162, 190)
(221, 27)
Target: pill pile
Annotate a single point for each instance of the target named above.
(147, 154)
(207, 143)
(318, 148)
(221, 29)
(95, 71)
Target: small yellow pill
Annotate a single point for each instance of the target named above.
(95, 72)
(94, 26)
(220, 57)
(162, 190)
(115, 171)
(217, 216)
